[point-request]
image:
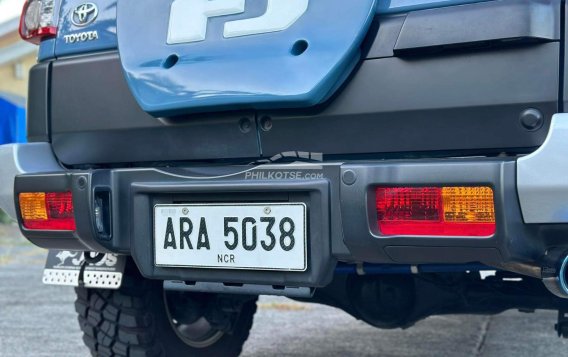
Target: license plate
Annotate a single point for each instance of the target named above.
(269, 236)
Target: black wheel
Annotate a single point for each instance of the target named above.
(141, 319)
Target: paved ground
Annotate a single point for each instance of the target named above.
(38, 320)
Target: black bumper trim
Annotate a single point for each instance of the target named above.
(341, 214)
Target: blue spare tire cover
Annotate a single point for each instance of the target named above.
(207, 55)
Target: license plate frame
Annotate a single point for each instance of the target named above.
(176, 212)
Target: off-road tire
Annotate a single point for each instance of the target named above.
(133, 321)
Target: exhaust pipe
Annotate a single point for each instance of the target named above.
(554, 272)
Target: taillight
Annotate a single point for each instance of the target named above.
(37, 21)
(47, 211)
(436, 211)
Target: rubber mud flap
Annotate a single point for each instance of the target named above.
(64, 267)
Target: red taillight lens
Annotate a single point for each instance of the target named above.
(37, 21)
(47, 211)
(436, 211)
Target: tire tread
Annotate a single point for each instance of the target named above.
(123, 322)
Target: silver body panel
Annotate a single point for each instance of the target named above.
(542, 177)
(17, 159)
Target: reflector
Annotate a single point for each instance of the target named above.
(32, 206)
(47, 211)
(436, 211)
(468, 204)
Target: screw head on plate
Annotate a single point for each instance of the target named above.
(267, 210)
(185, 211)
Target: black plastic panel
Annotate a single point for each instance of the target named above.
(341, 214)
(467, 100)
(38, 103)
(454, 102)
(440, 255)
(564, 85)
(135, 192)
(492, 21)
(383, 35)
(513, 243)
(93, 109)
(82, 239)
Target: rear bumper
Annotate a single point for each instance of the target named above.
(339, 198)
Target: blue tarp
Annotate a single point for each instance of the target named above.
(12, 119)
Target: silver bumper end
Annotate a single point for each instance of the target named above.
(17, 159)
(542, 177)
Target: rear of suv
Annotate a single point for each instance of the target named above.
(372, 155)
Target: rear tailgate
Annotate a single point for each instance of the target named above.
(478, 78)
